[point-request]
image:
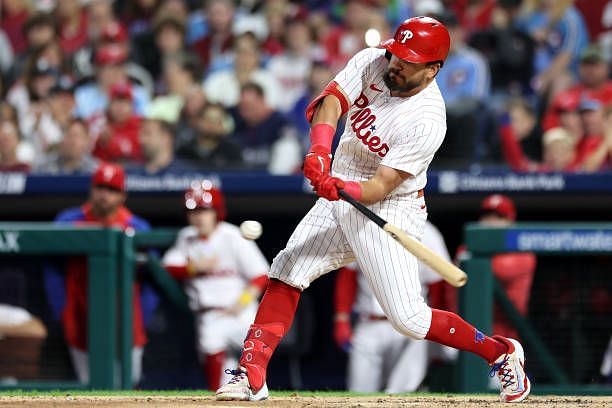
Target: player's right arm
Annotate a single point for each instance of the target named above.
(325, 114)
(326, 109)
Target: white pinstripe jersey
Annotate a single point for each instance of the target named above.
(238, 260)
(402, 133)
(365, 301)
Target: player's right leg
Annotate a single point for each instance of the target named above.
(316, 247)
(392, 274)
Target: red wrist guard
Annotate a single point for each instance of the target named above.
(353, 188)
(321, 137)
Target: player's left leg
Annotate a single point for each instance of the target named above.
(392, 274)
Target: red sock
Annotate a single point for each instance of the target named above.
(278, 304)
(272, 322)
(212, 369)
(451, 330)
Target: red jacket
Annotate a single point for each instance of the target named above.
(74, 314)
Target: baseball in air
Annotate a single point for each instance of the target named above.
(251, 229)
(372, 37)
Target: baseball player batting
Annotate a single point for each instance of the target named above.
(223, 274)
(396, 121)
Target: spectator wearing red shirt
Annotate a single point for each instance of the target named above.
(594, 84)
(219, 40)
(72, 19)
(593, 148)
(558, 152)
(14, 15)
(344, 41)
(117, 131)
(474, 15)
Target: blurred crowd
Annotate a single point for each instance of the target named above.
(176, 85)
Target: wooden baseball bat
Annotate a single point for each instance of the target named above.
(445, 269)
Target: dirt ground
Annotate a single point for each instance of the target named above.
(302, 401)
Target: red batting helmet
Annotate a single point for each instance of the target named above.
(499, 204)
(419, 40)
(203, 194)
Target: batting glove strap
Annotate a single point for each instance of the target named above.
(353, 188)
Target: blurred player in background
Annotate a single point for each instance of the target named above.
(223, 275)
(513, 270)
(67, 292)
(380, 358)
(396, 122)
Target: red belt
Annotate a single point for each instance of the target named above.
(373, 317)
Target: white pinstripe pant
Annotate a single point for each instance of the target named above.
(333, 234)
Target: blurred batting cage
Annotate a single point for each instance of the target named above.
(567, 329)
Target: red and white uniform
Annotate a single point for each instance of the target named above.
(238, 262)
(381, 359)
(402, 133)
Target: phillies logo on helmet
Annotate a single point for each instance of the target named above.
(406, 35)
(419, 40)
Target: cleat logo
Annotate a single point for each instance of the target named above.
(479, 338)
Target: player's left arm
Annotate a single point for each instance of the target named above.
(385, 180)
(406, 157)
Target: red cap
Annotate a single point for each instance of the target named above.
(114, 32)
(109, 175)
(111, 54)
(419, 40)
(499, 204)
(203, 194)
(121, 90)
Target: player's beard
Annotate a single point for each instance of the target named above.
(395, 87)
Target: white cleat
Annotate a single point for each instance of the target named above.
(238, 388)
(510, 370)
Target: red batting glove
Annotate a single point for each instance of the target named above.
(318, 160)
(328, 187)
(343, 334)
(316, 164)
